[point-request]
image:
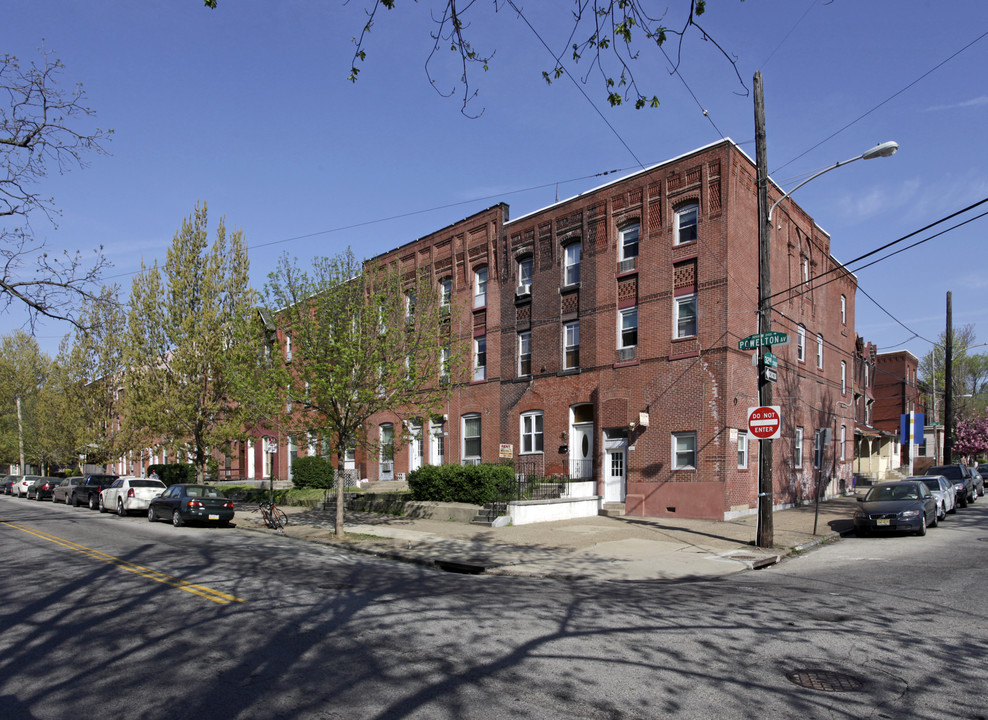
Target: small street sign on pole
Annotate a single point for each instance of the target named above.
(771, 374)
(753, 342)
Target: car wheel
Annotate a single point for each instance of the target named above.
(177, 520)
(75, 501)
(151, 517)
(102, 505)
(942, 511)
(922, 526)
(120, 508)
(964, 501)
(93, 502)
(936, 519)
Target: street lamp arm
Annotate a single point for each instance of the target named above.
(885, 149)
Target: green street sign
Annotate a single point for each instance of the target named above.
(753, 342)
(770, 360)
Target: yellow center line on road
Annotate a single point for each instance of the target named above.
(202, 591)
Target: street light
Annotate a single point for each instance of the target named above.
(885, 149)
(764, 533)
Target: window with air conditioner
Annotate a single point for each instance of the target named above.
(628, 248)
(524, 277)
(627, 333)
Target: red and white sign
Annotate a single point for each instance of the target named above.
(765, 422)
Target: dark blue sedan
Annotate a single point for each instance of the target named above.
(904, 506)
(191, 503)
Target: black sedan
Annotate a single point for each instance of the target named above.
(904, 506)
(191, 503)
(42, 488)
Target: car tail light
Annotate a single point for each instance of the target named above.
(193, 504)
(130, 493)
(228, 504)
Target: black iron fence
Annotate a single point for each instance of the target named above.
(531, 483)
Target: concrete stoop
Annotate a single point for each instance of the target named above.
(612, 509)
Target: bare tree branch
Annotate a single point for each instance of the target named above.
(40, 131)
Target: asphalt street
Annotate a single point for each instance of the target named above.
(117, 618)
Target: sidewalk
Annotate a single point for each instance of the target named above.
(601, 548)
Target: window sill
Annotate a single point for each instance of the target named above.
(569, 371)
(569, 288)
(627, 273)
(627, 363)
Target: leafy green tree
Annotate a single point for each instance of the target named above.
(40, 131)
(970, 375)
(95, 366)
(54, 443)
(364, 338)
(23, 371)
(183, 328)
(607, 36)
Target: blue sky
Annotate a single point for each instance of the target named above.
(248, 108)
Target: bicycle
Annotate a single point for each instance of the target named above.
(274, 517)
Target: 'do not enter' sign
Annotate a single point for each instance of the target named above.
(765, 422)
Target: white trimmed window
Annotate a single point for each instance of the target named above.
(524, 354)
(819, 351)
(686, 223)
(444, 364)
(531, 432)
(684, 316)
(480, 287)
(571, 264)
(843, 310)
(843, 440)
(801, 343)
(628, 248)
(471, 439)
(410, 306)
(288, 347)
(684, 451)
(843, 377)
(628, 328)
(480, 358)
(742, 449)
(445, 293)
(571, 345)
(524, 276)
(797, 460)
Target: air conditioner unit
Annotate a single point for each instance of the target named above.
(626, 265)
(626, 354)
(523, 290)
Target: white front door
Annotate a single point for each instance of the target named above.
(415, 446)
(581, 452)
(615, 466)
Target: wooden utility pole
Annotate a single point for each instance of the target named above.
(948, 387)
(765, 536)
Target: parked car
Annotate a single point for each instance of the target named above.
(191, 503)
(41, 488)
(7, 487)
(979, 481)
(23, 483)
(87, 492)
(962, 480)
(902, 506)
(63, 492)
(943, 491)
(128, 494)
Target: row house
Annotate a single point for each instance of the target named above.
(603, 334)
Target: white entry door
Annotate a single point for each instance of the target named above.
(415, 446)
(581, 452)
(615, 466)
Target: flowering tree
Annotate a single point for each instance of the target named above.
(972, 436)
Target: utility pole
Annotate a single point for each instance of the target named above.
(948, 387)
(764, 537)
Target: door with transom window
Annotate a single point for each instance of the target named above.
(615, 465)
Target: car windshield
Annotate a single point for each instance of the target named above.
(147, 484)
(951, 472)
(932, 483)
(893, 492)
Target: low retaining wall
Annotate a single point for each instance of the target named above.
(526, 512)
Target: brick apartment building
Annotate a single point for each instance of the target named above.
(603, 337)
(897, 393)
